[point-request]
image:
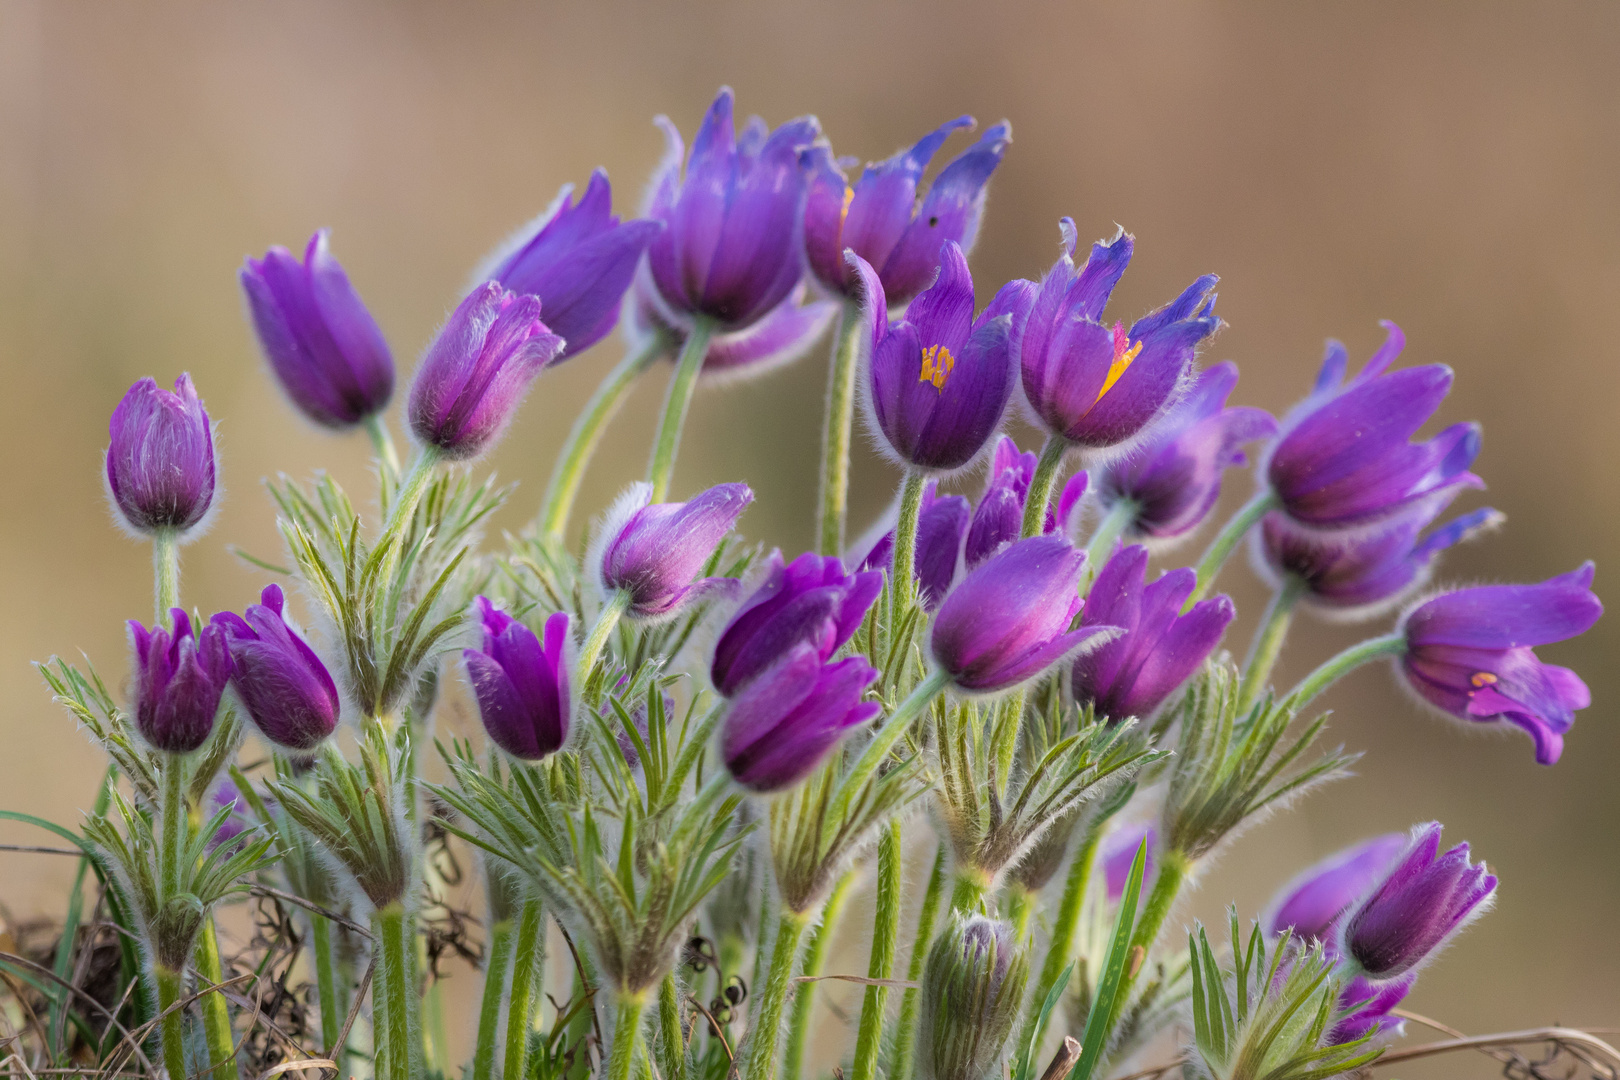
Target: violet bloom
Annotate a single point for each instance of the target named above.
(941, 379)
(160, 463)
(1369, 1005)
(655, 552)
(521, 683)
(224, 795)
(881, 219)
(1099, 387)
(731, 249)
(1344, 460)
(1470, 653)
(999, 518)
(941, 525)
(287, 690)
(1008, 620)
(1173, 479)
(812, 602)
(1311, 903)
(179, 680)
(782, 723)
(1119, 852)
(1134, 673)
(321, 342)
(478, 369)
(780, 337)
(1425, 899)
(579, 259)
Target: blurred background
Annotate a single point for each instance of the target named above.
(1450, 166)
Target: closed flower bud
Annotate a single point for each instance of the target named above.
(782, 723)
(478, 369)
(1312, 902)
(160, 462)
(655, 552)
(322, 344)
(521, 683)
(972, 989)
(179, 681)
(998, 520)
(941, 525)
(286, 688)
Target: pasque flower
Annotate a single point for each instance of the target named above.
(1097, 386)
(811, 602)
(578, 258)
(1008, 620)
(1173, 478)
(160, 463)
(1368, 1005)
(780, 337)
(1132, 674)
(1312, 902)
(1344, 460)
(655, 552)
(881, 219)
(784, 721)
(321, 342)
(224, 795)
(478, 369)
(731, 249)
(972, 990)
(521, 682)
(1470, 654)
(286, 688)
(940, 379)
(1424, 899)
(941, 525)
(178, 683)
(999, 517)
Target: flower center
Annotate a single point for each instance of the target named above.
(1482, 679)
(1124, 353)
(849, 197)
(937, 363)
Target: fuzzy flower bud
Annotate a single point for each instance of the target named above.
(521, 683)
(287, 690)
(179, 681)
(655, 552)
(783, 722)
(160, 463)
(972, 990)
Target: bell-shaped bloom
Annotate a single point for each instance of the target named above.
(998, 520)
(179, 678)
(1367, 1005)
(1160, 648)
(655, 552)
(1099, 386)
(287, 690)
(160, 463)
(578, 258)
(521, 682)
(781, 336)
(1344, 459)
(1173, 478)
(972, 991)
(811, 602)
(881, 219)
(1312, 902)
(940, 379)
(321, 342)
(1469, 653)
(1424, 899)
(732, 247)
(1119, 852)
(785, 720)
(478, 369)
(1008, 620)
(941, 524)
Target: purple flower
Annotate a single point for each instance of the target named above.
(999, 518)
(881, 219)
(287, 690)
(1135, 672)
(656, 552)
(941, 524)
(1344, 459)
(1119, 852)
(321, 342)
(812, 602)
(521, 684)
(1470, 653)
(478, 369)
(1100, 387)
(784, 334)
(1312, 902)
(160, 462)
(1174, 477)
(1416, 908)
(783, 722)
(940, 379)
(1070, 500)
(732, 246)
(1365, 1005)
(179, 681)
(1008, 620)
(224, 795)
(579, 259)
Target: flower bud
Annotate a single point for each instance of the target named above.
(160, 462)
(521, 684)
(655, 552)
(179, 681)
(1312, 902)
(286, 688)
(782, 723)
(998, 520)
(972, 990)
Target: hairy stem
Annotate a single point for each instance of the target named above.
(382, 444)
(609, 617)
(1100, 548)
(165, 575)
(173, 1029)
(902, 582)
(1060, 950)
(765, 1029)
(968, 888)
(1209, 567)
(1268, 642)
(671, 1037)
(333, 1007)
(410, 490)
(215, 1010)
(815, 958)
(835, 439)
(903, 1050)
(892, 731)
(1021, 905)
(885, 944)
(496, 963)
(626, 1028)
(176, 826)
(1332, 670)
(397, 1016)
(1040, 486)
(525, 963)
(681, 387)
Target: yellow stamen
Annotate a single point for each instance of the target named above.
(849, 197)
(1124, 353)
(937, 363)
(1482, 679)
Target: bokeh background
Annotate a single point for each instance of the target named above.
(1451, 166)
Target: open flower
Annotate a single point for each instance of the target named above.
(521, 683)
(286, 688)
(782, 723)
(179, 679)
(655, 552)
(160, 463)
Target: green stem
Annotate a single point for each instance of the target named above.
(902, 582)
(765, 1029)
(525, 962)
(626, 1027)
(165, 575)
(893, 729)
(435, 1028)
(609, 617)
(681, 387)
(397, 1018)
(815, 958)
(410, 490)
(968, 889)
(1268, 642)
(1100, 548)
(176, 826)
(672, 1039)
(1337, 667)
(382, 444)
(173, 1028)
(835, 439)
(1021, 905)
(903, 1049)
(1173, 869)
(1040, 486)
(587, 432)
(496, 963)
(326, 986)
(216, 1012)
(1060, 950)
(885, 944)
(1009, 718)
(1209, 567)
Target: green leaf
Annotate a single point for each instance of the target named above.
(1104, 1007)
